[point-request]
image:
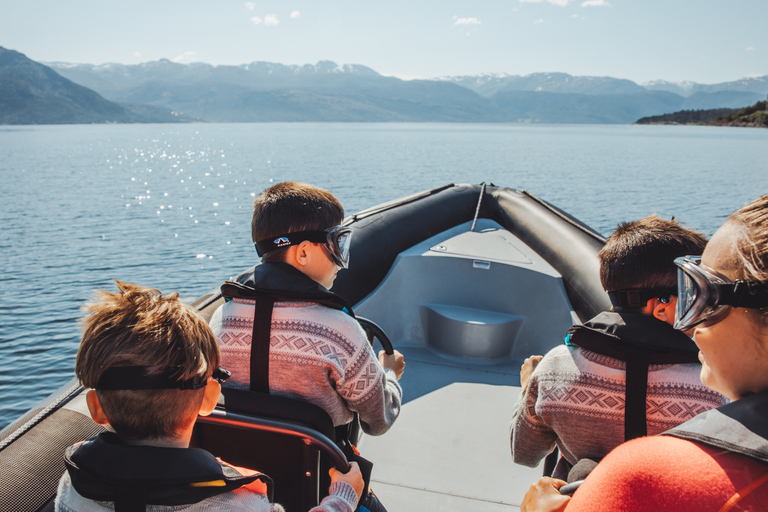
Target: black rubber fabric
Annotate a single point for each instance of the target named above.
(33, 464)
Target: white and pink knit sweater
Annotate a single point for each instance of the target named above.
(317, 354)
(575, 399)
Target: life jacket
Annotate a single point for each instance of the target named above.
(103, 468)
(739, 427)
(639, 340)
(273, 282)
(266, 284)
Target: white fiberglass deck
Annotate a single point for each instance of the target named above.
(465, 308)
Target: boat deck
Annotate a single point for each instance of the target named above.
(449, 449)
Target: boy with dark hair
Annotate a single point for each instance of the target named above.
(316, 350)
(153, 366)
(625, 373)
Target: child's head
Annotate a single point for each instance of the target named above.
(308, 211)
(166, 340)
(640, 256)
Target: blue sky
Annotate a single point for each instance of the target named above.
(706, 41)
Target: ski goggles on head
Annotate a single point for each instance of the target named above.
(704, 294)
(336, 242)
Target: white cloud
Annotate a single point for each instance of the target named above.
(256, 20)
(185, 57)
(578, 17)
(538, 21)
(595, 3)
(295, 14)
(750, 48)
(136, 54)
(466, 21)
(250, 6)
(270, 20)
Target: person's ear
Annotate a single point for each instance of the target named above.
(210, 398)
(663, 309)
(94, 407)
(302, 254)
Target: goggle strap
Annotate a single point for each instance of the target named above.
(639, 297)
(137, 378)
(744, 294)
(274, 243)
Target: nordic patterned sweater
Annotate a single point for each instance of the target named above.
(317, 354)
(575, 399)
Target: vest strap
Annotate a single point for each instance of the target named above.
(260, 340)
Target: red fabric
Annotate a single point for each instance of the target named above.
(667, 474)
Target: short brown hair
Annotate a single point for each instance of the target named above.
(751, 244)
(641, 253)
(290, 206)
(139, 326)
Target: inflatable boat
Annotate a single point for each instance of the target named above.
(466, 281)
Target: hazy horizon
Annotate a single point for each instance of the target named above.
(711, 41)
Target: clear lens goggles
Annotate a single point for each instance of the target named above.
(704, 294)
(336, 242)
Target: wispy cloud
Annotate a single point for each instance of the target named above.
(185, 57)
(137, 54)
(295, 14)
(750, 48)
(466, 21)
(561, 3)
(270, 20)
(250, 6)
(595, 3)
(578, 17)
(539, 21)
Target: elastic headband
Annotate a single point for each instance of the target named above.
(278, 242)
(638, 297)
(136, 377)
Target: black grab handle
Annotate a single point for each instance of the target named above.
(374, 331)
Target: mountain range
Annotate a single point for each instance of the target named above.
(32, 93)
(165, 91)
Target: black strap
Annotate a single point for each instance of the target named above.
(635, 421)
(260, 337)
(131, 499)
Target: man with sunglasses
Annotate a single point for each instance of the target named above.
(317, 351)
(625, 373)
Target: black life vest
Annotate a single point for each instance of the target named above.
(639, 340)
(739, 427)
(266, 284)
(103, 468)
(272, 282)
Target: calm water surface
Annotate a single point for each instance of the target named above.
(169, 206)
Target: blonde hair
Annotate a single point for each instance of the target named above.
(750, 253)
(138, 326)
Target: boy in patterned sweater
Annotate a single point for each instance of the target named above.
(318, 352)
(577, 397)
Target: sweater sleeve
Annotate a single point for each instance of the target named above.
(530, 438)
(342, 498)
(379, 402)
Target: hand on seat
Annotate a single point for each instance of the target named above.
(353, 477)
(395, 362)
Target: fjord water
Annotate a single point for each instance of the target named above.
(169, 206)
